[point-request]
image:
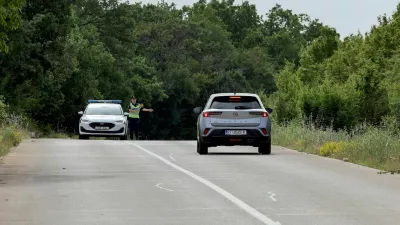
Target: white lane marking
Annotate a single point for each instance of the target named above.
(158, 185)
(321, 214)
(272, 196)
(172, 158)
(253, 212)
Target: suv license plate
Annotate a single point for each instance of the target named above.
(235, 132)
(101, 128)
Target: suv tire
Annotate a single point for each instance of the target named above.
(202, 148)
(265, 149)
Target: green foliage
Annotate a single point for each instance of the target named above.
(3, 111)
(343, 83)
(289, 95)
(9, 137)
(10, 19)
(11, 131)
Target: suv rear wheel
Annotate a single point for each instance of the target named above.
(265, 149)
(202, 148)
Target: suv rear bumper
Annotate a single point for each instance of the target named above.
(217, 137)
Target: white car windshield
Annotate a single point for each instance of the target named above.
(103, 109)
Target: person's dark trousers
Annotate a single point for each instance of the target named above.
(133, 127)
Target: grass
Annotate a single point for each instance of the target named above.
(368, 146)
(13, 128)
(9, 137)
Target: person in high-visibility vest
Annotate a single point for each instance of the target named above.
(133, 118)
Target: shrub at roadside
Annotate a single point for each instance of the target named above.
(332, 148)
(9, 137)
(369, 146)
(12, 128)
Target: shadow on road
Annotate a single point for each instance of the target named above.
(237, 153)
(36, 179)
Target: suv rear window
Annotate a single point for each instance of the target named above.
(237, 102)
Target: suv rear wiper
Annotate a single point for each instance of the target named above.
(242, 107)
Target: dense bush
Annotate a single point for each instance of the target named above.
(10, 134)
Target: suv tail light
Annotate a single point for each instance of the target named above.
(208, 114)
(262, 114)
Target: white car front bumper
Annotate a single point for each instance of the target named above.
(94, 128)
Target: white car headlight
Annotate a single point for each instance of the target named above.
(85, 121)
(119, 121)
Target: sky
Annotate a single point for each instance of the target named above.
(347, 16)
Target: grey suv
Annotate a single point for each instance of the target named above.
(230, 119)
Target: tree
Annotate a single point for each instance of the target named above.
(10, 19)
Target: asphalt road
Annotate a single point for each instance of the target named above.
(164, 182)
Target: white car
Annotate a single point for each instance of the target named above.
(103, 118)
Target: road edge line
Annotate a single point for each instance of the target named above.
(250, 210)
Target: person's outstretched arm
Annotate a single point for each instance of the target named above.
(147, 110)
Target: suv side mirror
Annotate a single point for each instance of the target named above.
(269, 110)
(197, 110)
(126, 114)
(80, 112)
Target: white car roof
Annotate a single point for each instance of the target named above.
(234, 94)
(103, 104)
